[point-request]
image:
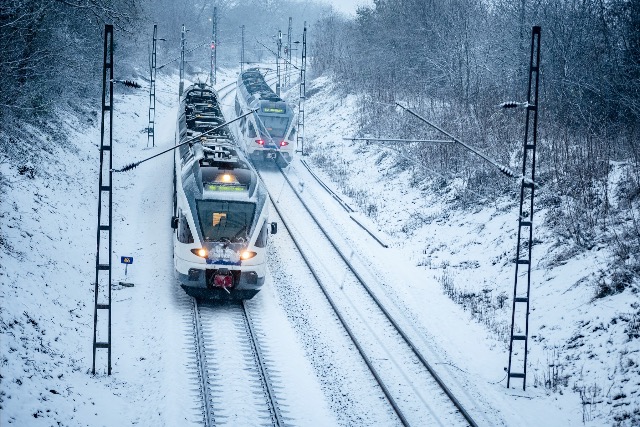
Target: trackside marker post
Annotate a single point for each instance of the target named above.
(126, 260)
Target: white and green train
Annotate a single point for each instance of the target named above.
(220, 218)
(269, 132)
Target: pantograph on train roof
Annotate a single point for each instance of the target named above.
(254, 82)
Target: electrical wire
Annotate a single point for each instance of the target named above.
(188, 51)
(133, 165)
(504, 169)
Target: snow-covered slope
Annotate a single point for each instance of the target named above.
(584, 353)
(583, 360)
(49, 210)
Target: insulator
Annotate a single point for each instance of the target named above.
(506, 171)
(127, 167)
(130, 83)
(511, 104)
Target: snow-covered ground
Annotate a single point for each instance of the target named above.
(583, 361)
(47, 258)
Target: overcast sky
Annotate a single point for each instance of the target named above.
(348, 6)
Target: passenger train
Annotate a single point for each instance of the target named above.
(220, 217)
(269, 132)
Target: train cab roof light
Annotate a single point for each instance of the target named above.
(247, 255)
(260, 141)
(227, 178)
(283, 143)
(201, 252)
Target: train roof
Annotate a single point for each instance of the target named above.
(221, 173)
(224, 171)
(256, 86)
(203, 114)
(199, 92)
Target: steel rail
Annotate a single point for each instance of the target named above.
(202, 364)
(274, 409)
(333, 194)
(223, 88)
(334, 307)
(414, 349)
(342, 203)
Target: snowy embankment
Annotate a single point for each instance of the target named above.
(583, 353)
(49, 211)
(47, 259)
(583, 363)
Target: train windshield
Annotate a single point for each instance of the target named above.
(222, 221)
(276, 125)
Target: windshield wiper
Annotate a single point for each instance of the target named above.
(242, 230)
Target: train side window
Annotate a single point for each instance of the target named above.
(251, 133)
(184, 231)
(183, 150)
(187, 156)
(238, 109)
(292, 135)
(261, 241)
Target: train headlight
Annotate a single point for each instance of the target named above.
(283, 143)
(227, 178)
(247, 255)
(201, 252)
(260, 141)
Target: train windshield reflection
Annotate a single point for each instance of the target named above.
(224, 220)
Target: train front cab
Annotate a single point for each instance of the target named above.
(224, 271)
(220, 260)
(269, 132)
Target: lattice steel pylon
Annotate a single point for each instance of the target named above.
(278, 62)
(521, 293)
(214, 46)
(182, 44)
(152, 91)
(303, 92)
(287, 55)
(103, 254)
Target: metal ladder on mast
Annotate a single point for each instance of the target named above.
(287, 55)
(152, 91)
(182, 45)
(303, 92)
(518, 344)
(103, 254)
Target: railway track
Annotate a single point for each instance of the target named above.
(229, 370)
(233, 372)
(226, 90)
(413, 389)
